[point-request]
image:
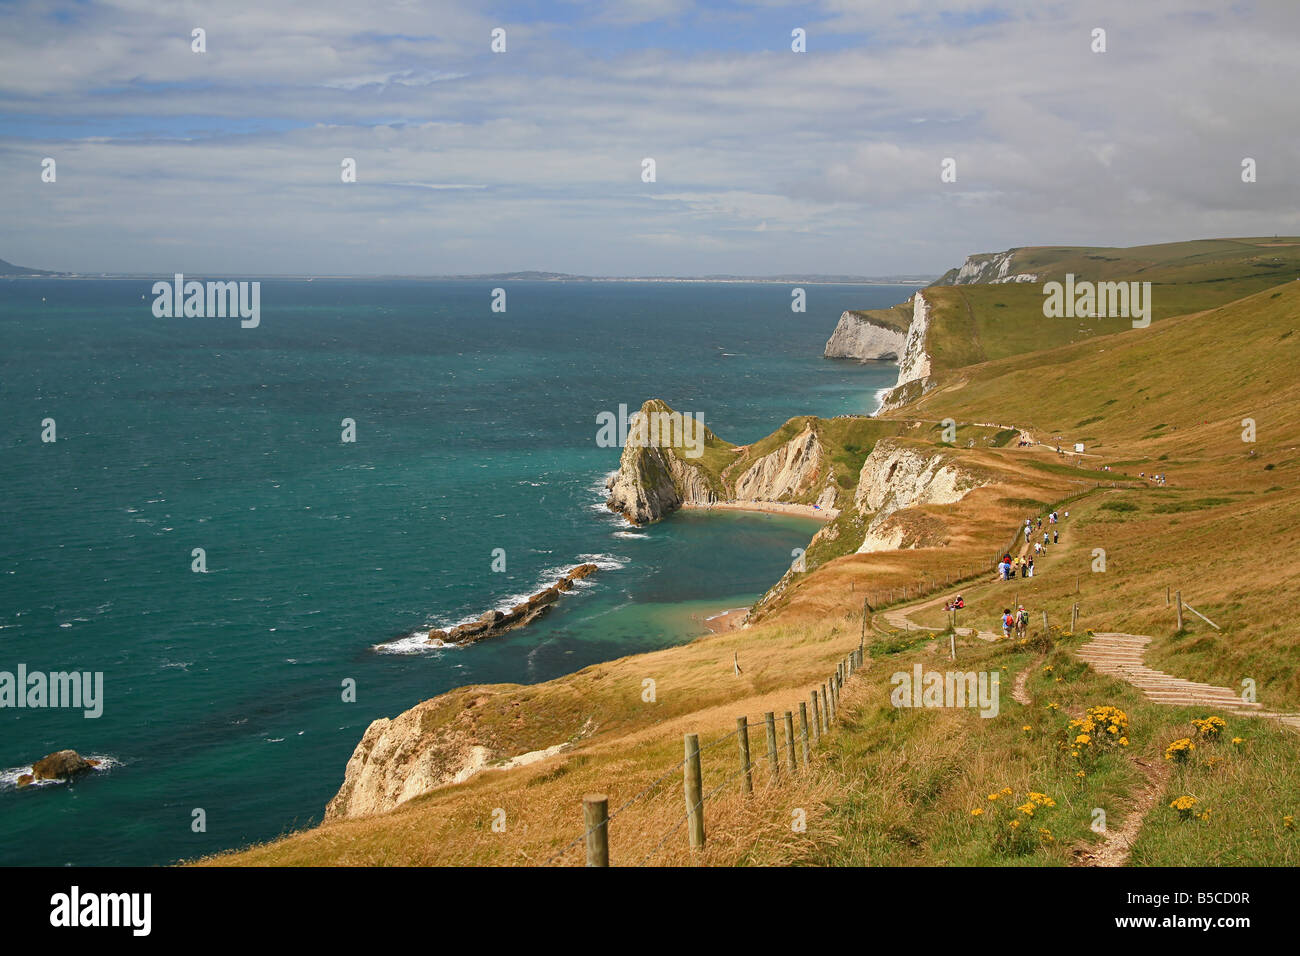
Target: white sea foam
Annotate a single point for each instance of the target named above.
(414, 643)
(880, 399)
(606, 562)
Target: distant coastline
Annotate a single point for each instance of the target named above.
(19, 272)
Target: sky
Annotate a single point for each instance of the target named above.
(767, 161)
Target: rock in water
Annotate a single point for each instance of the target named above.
(492, 623)
(61, 765)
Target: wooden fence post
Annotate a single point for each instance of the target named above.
(830, 705)
(1166, 595)
(1044, 621)
(803, 725)
(816, 720)
(595, 816)
(1074, 618)
(694, 792)
(789, 743)
(1179, 595)
(773, 761)
(742, 736)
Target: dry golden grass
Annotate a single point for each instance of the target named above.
(1225, 532)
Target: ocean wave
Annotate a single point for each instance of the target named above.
(414, 643)
(606, 562)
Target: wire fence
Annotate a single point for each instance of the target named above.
(778, 749)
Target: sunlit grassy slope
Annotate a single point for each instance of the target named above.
(897, 786)
(976, 323)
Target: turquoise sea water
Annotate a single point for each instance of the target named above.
(475, 431)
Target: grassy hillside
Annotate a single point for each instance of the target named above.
(896, 317)
(898, 785)
(1212, 271)
(978, 323)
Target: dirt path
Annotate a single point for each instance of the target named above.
(1117, 844)
(898, 618)
(1020, 689)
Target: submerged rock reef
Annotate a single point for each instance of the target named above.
(492, 623)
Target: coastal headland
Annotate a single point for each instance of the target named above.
(924, 500)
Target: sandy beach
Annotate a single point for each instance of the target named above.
(726, 620)
(770, 507)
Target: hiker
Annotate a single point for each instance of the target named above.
(958, 604)
(1040, 524)
(1029, 568)
(1008, 622)
(1056, 537)
(1067, 514)
(1045, 540)
(1022, 622)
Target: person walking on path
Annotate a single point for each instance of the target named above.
(1056, 536)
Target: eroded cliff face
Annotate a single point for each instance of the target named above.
(785, 473)
(653, 481)
(990, 268)
(856, 338)
(914, 365)
(435, 743)
(896, 476)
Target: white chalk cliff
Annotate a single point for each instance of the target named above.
(786, 472)
(417, 751)
(856, 337)
(898, 475)
(653, 482)
(914, 365)
(991, 268)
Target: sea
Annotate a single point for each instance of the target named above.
(254, 589)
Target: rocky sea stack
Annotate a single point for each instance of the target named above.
(60, 765)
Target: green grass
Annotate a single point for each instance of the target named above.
(1248, 789)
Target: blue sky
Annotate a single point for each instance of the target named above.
(768, 161)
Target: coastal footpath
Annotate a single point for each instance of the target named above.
(902, 787)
